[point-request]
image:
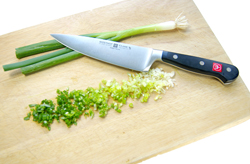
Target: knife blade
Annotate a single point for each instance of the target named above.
(141, 58)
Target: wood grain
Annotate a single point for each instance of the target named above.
(196, 108)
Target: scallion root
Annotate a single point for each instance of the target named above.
(181, 22)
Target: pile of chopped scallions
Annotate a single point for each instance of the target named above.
(66, 54)
(71, 105)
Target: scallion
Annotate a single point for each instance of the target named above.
(50, 62)
(51, 59)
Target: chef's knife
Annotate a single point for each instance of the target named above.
(141, 58)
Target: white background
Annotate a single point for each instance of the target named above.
(228, 19)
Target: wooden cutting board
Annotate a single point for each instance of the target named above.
(196, 108)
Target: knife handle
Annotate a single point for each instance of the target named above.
(226, 73)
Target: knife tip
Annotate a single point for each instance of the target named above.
(53, 35)
(56, 36)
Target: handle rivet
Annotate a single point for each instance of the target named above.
(175, 56)
(202, 63)
(229, 69)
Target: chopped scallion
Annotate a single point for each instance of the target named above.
(131, 105)
(72, 104)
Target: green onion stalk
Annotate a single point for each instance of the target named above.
(66, 54)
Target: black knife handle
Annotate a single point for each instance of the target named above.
(226, 73)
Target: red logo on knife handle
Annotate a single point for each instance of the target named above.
(217, 67)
